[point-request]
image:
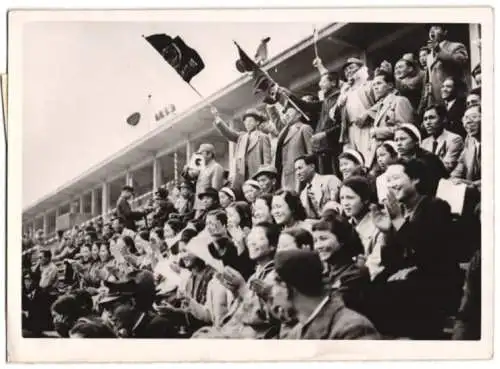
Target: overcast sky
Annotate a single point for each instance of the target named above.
(82, 79)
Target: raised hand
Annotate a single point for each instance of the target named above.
(381, 218)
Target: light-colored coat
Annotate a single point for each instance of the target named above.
(252, 150)
(449, 147)
(296, 143)
(469, 162)
(325, 188)
(389, 113)
(216, 307)
(211, 175)
(354, 101)
(373, 240)
(450, 61)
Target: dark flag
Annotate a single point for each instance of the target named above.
(246, 64)
(185, 60)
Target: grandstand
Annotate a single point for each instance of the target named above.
(159, 156)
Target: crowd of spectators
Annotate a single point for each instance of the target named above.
(328, 225)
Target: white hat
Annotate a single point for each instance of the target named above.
(253, 183)
(412, 130)
(391, 144)
(353, 154)
(228, 191)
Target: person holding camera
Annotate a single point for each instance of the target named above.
(124, 212)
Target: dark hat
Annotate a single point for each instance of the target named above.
(410, 59)
(175, 224)
(66, 305)
(118, 290)
(353, 61)
(261, 83)
(128, 188)
(301, 269)
(267, 169)
(144, 281)
(255, 114)
(187, 184)
(162, 193)
(476, 70)
(384, 68)
(211, 192)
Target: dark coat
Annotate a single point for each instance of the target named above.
(154, 326)
(329, 147)
(125, 213)
(434, 170)
(162, 214)
(450, 61)
(335, 322)
(348, 281)
(230, 257)
(454, 116)
(417, 306)
(468, 323)
(424, 241)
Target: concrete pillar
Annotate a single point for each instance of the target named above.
(105, 198)
(475, 51)
(82, 207)
(157, 174)
(231, 155)
(129, 179)
(189, 150)
(45, 224)
(93, 202)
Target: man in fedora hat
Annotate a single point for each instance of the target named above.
(446, 59)
(266, 176)
(128, 306)
(253, 147)
(409, 79)
(355, 100)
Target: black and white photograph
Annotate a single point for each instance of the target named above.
(252, 177)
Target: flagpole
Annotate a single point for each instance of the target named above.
(315, 37)
(274, 82)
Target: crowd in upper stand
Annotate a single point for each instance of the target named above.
(328, 225)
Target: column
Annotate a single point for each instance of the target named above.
(45, 224)
(157, 175)
(32, 228)
(82, 208)
(475, 51)
(105, 198)
(189, 150)
(93, 202)
(129, 179)
(231, 155)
